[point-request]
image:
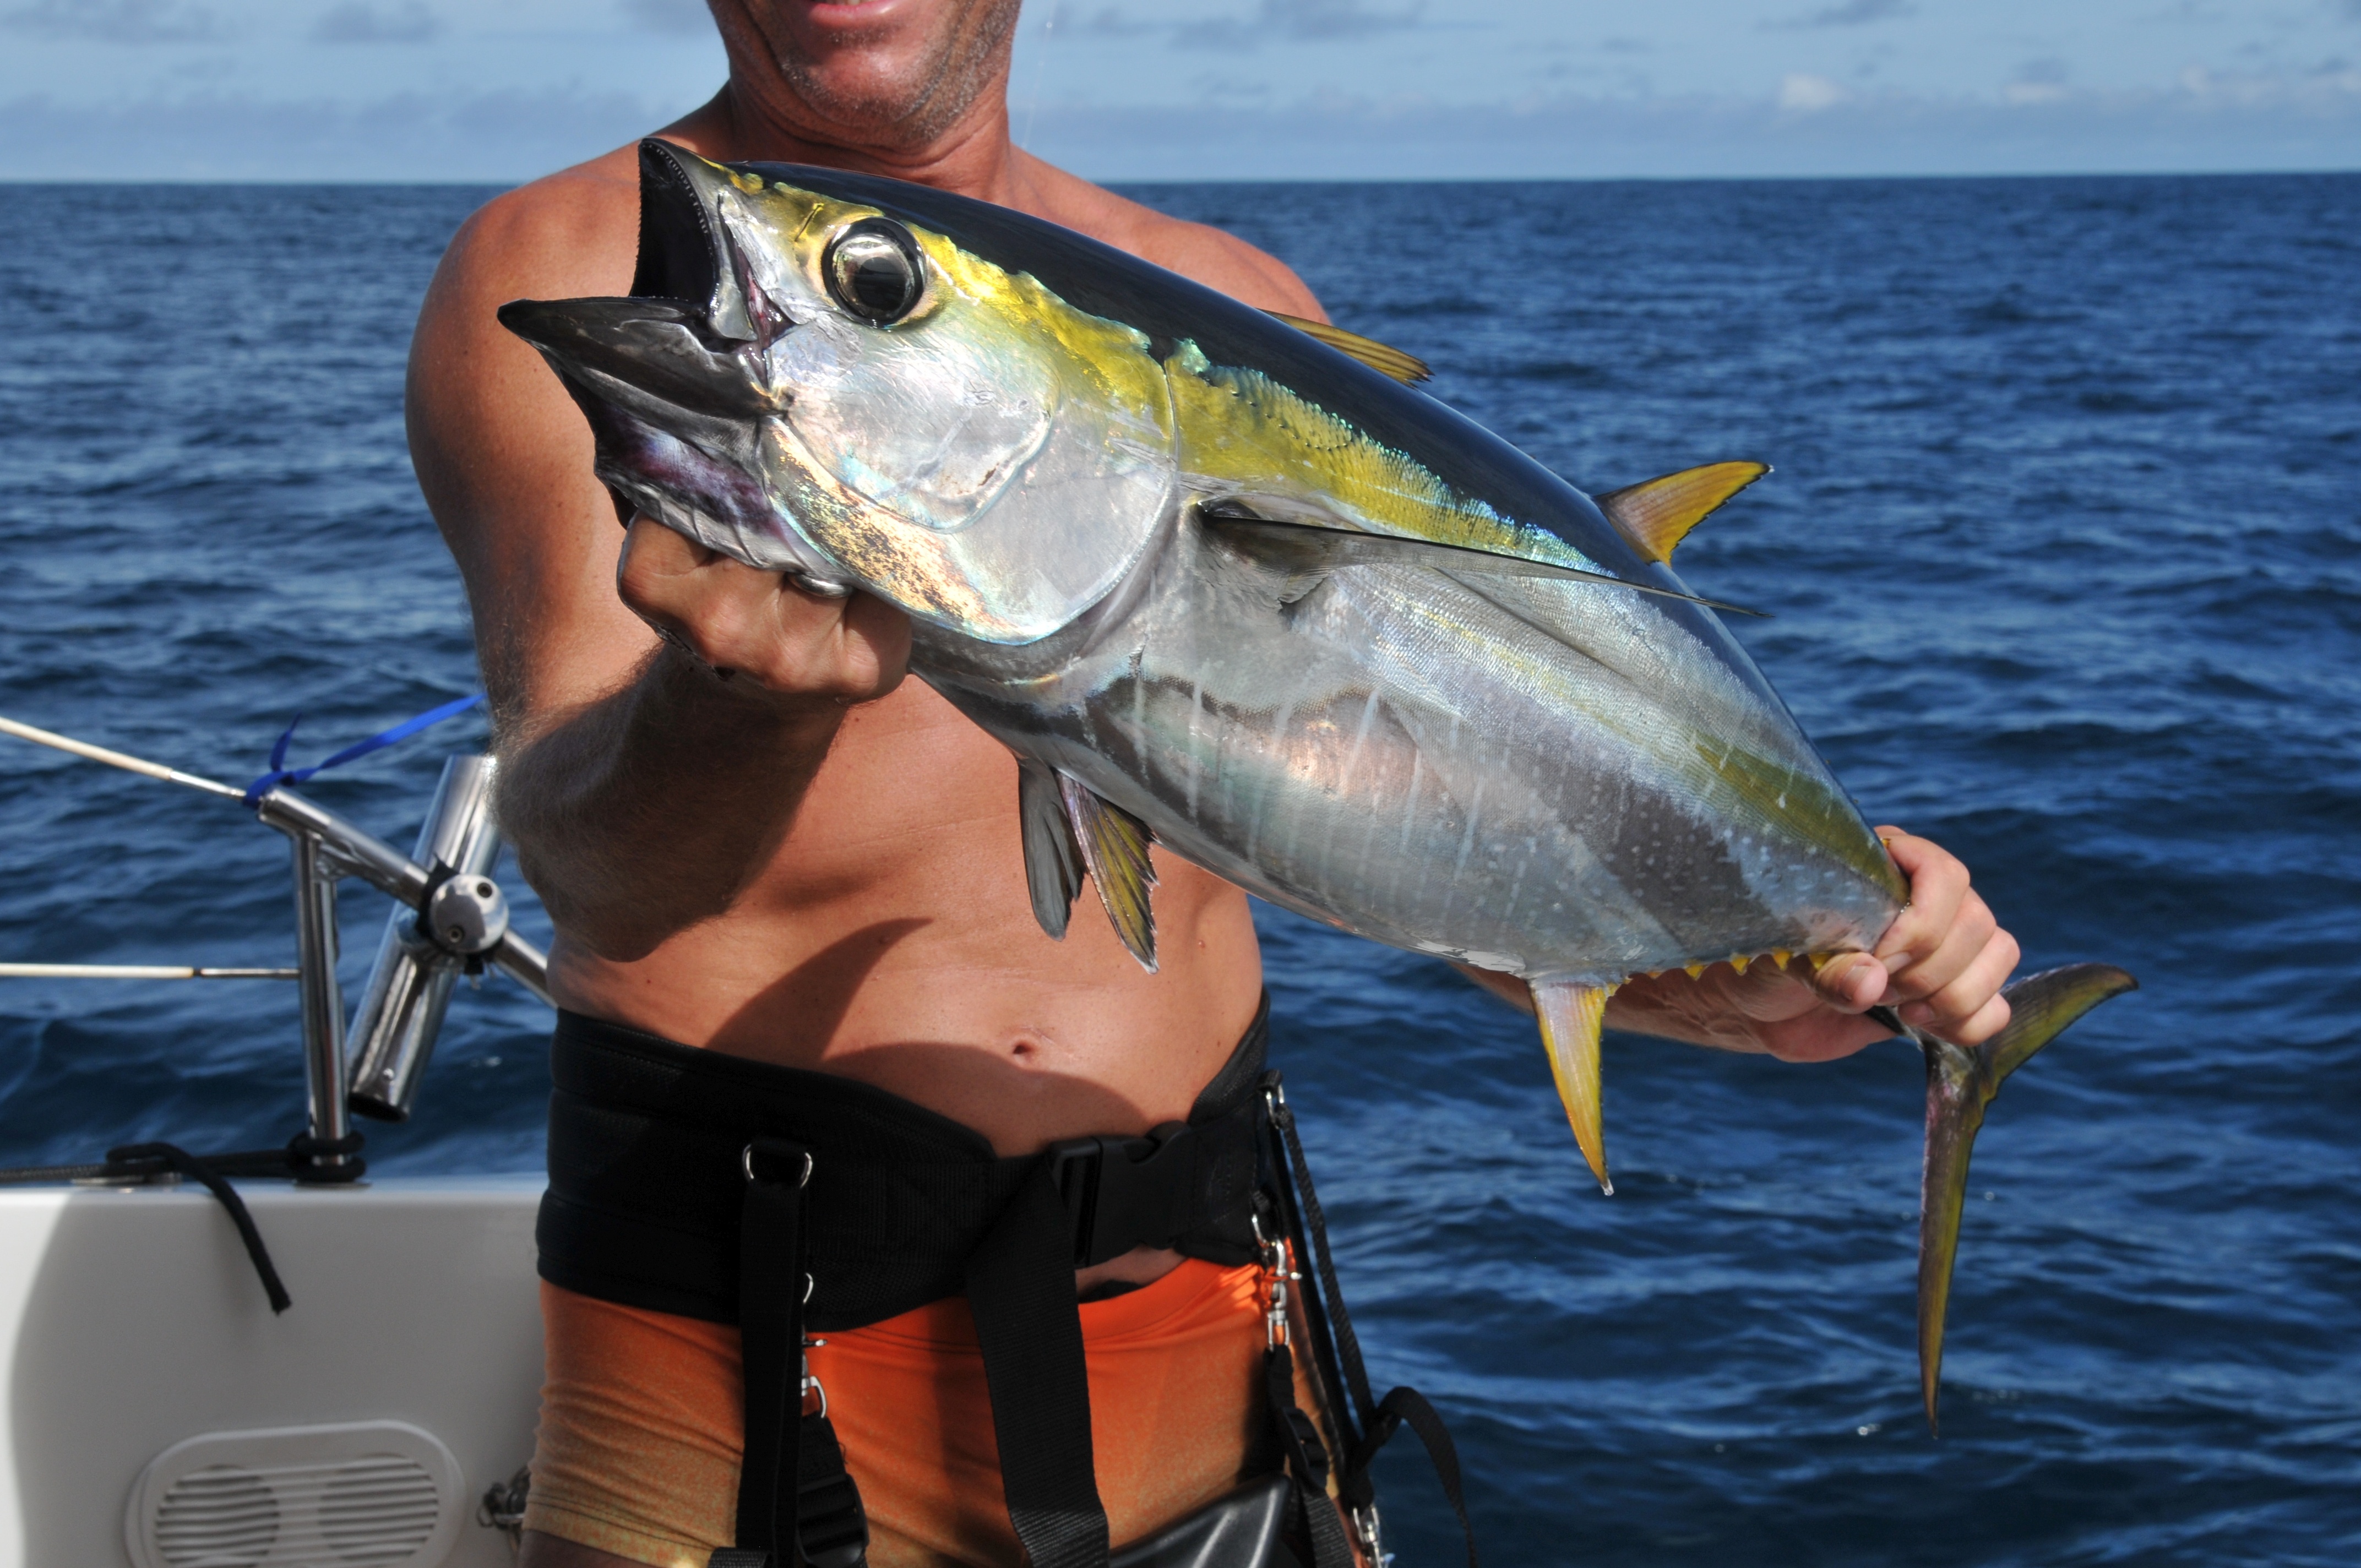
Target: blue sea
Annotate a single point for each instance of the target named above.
(2064, 548)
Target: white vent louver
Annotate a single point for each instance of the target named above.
(367, 1495)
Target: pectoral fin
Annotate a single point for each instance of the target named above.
(1960, 1082)
(1308, 552)
(1115, 847)
(1657, 514)
(1382, 357)
(1053, 861)
(1570, 1017)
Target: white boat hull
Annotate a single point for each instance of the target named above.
(132, 1321)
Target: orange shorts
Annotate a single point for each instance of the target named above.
(642, 1422)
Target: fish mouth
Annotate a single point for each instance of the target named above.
(673, 377)
(691, 333)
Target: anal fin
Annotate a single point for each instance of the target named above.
(1570, 1017)
(1115, 847)
(1053, 861)
(1961, 1081)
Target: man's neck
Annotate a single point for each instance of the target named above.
(972, 158)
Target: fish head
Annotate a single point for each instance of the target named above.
(809, 383)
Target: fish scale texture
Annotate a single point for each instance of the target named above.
(2064, 552)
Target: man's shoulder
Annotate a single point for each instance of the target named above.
(1215, 257)
(574, 231)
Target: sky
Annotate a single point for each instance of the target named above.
(501, 90)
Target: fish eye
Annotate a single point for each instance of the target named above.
(872, 270)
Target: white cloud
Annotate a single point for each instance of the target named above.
(466, 137)
(675, 17)
(1270, 21)
(1808, 95)
(116, 21)
(2039, 81)
(2309, 121)
(1850, 14)
(361, 22)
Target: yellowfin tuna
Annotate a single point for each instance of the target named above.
(1227, 583)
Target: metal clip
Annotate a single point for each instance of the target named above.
(1367, 1531)
(808, 1384)
(1279, 1266)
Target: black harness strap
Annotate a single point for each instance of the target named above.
(1020, 1285)
(1307, 1459)
(796, 1505)
(771, 1326)
(1408, 1407)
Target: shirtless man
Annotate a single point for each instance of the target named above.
(753, 834)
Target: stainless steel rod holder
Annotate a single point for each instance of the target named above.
(401, 1012)
(386, 869)
(323, 1006)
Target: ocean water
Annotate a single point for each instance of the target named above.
(2065, 552)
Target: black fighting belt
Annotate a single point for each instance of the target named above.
(791, 1203)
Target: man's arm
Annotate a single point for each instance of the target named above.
(1940, 966)
(643, 780)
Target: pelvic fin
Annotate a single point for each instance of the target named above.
(1114, 847)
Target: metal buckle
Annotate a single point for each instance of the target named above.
(746, 1164)
(1371, 1535)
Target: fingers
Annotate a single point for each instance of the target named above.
(1946, 956)
(746, 622)
(1938, 885)
(1968, 1008)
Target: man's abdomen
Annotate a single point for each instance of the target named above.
(889, 938)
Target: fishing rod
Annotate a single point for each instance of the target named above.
(451, 917)
(141, 972)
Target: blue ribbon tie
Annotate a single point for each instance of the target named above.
(280, 773)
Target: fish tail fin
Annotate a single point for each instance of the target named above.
(1960, 1082)
(1570, 1017)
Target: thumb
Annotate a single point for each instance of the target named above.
(1851, 983)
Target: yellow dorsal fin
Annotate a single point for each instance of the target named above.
(1408, 368)
(1658, 514)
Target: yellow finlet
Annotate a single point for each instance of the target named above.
(1739, 963)
(1570, 1017)
(1780, 955)
(1697, 972)
(1657, 515)
(1819, 960)
(1384, 358)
